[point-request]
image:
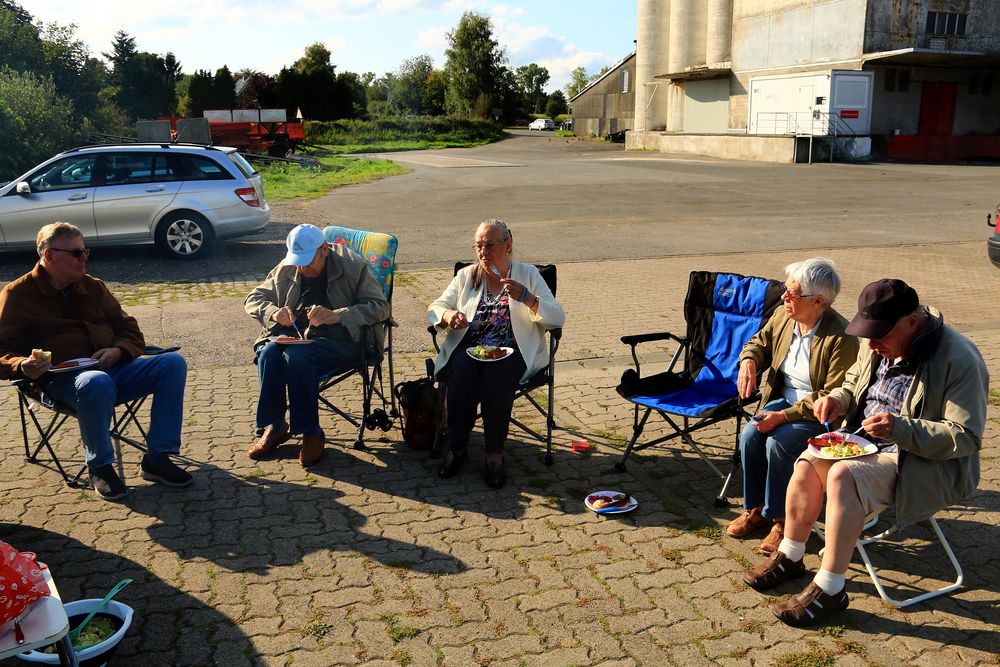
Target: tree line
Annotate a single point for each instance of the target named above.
(54, 92)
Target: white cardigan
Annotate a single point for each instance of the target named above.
(529, 329)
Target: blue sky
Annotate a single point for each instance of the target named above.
(363, 35)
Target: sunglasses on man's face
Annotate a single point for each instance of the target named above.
(76, 252)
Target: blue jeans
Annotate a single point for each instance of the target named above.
(94, 394)
(297, 369)
(769, 459)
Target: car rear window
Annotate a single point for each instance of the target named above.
(242, 164)
(197, 168)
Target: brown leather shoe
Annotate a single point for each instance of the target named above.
(312, 449)
(773, 571)
(750, 522)
(268, 443)
(810, 607)
(773, 539)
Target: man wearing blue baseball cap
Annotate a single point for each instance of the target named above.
(314, 308)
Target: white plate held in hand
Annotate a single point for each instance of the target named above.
(867, 447)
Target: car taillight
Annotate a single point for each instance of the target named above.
(996, 220)
(249, 196)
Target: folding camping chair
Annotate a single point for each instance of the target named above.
(867, 539)
(32, 401)
(380, 251)
(722, 311)
(543, 378)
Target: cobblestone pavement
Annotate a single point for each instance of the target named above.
(369, 559)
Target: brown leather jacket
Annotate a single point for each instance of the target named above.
(72, 323)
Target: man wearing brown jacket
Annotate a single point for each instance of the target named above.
(61, 310)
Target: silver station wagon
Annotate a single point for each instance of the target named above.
(180, 196)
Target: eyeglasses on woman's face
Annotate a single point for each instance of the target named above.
(486, 246)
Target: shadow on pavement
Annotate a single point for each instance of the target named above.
(255, 525)
(176, 627)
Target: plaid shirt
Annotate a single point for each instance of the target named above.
(888, 392)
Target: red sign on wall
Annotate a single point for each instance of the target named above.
(849, 113)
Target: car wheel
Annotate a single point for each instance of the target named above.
(184, 235)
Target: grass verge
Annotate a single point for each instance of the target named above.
(287, 181)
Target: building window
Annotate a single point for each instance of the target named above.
(897, 80)
(981, 83)
(624, 80)
(946, 23)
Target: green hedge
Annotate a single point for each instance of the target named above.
(415, 128)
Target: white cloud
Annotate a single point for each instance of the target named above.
(434, 39)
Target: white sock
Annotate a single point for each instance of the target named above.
(830, 583)
(793, 550)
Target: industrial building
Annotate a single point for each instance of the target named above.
(765, 79)
(607, 104)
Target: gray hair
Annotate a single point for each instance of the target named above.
(48, 234)
(505, 234)
(817, 276)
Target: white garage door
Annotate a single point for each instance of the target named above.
(706, 106)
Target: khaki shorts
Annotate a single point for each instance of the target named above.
(875, 476)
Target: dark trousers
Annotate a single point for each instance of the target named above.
(491, 384)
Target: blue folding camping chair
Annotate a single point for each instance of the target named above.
(722, 311)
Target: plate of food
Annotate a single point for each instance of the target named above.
(489, 352)
(836, 446)
(610, 502)
(73, 365)
(290, 340)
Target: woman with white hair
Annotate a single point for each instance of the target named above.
(807, 354)
(494, 303)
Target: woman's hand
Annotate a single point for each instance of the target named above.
(454, 319)
(746, 381)
(515, 289)
(768, 421)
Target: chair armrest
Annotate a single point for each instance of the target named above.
(556, 333)
(650, 337)
(432, 330)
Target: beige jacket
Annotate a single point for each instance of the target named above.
(529, 329)
(940, 430)
(353, 292)
(831, 353)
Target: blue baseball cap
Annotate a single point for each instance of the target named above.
(303, 242)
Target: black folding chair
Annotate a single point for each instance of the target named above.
(33, 402)
(380, 251)
(545, 377)
(722, 311)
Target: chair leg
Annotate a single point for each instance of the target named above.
(367, 385)
(437, 449)
(637, 426)
(945, 590)
(550, 422)
(720, 500)
(393, 410)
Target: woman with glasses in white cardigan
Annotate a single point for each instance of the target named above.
(502, 303)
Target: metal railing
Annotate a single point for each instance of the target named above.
(828, 126)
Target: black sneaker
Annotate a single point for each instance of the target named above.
(159, 468)
(107, 484)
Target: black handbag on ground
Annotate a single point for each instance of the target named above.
(419, 401)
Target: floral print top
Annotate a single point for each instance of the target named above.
(494, 313)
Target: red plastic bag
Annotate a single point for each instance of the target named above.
(21, 582)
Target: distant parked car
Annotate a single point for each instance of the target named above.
(542, 124)
(993, 242)
(180, 196)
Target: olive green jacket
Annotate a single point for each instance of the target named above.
(940, 429)
(353, 292)
(830, 355)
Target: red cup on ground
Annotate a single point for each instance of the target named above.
(581, 447)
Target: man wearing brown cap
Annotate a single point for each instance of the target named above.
(919, 391)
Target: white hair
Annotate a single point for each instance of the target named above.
(817, 276)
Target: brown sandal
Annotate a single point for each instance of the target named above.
(811, 606)
(773, 571)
